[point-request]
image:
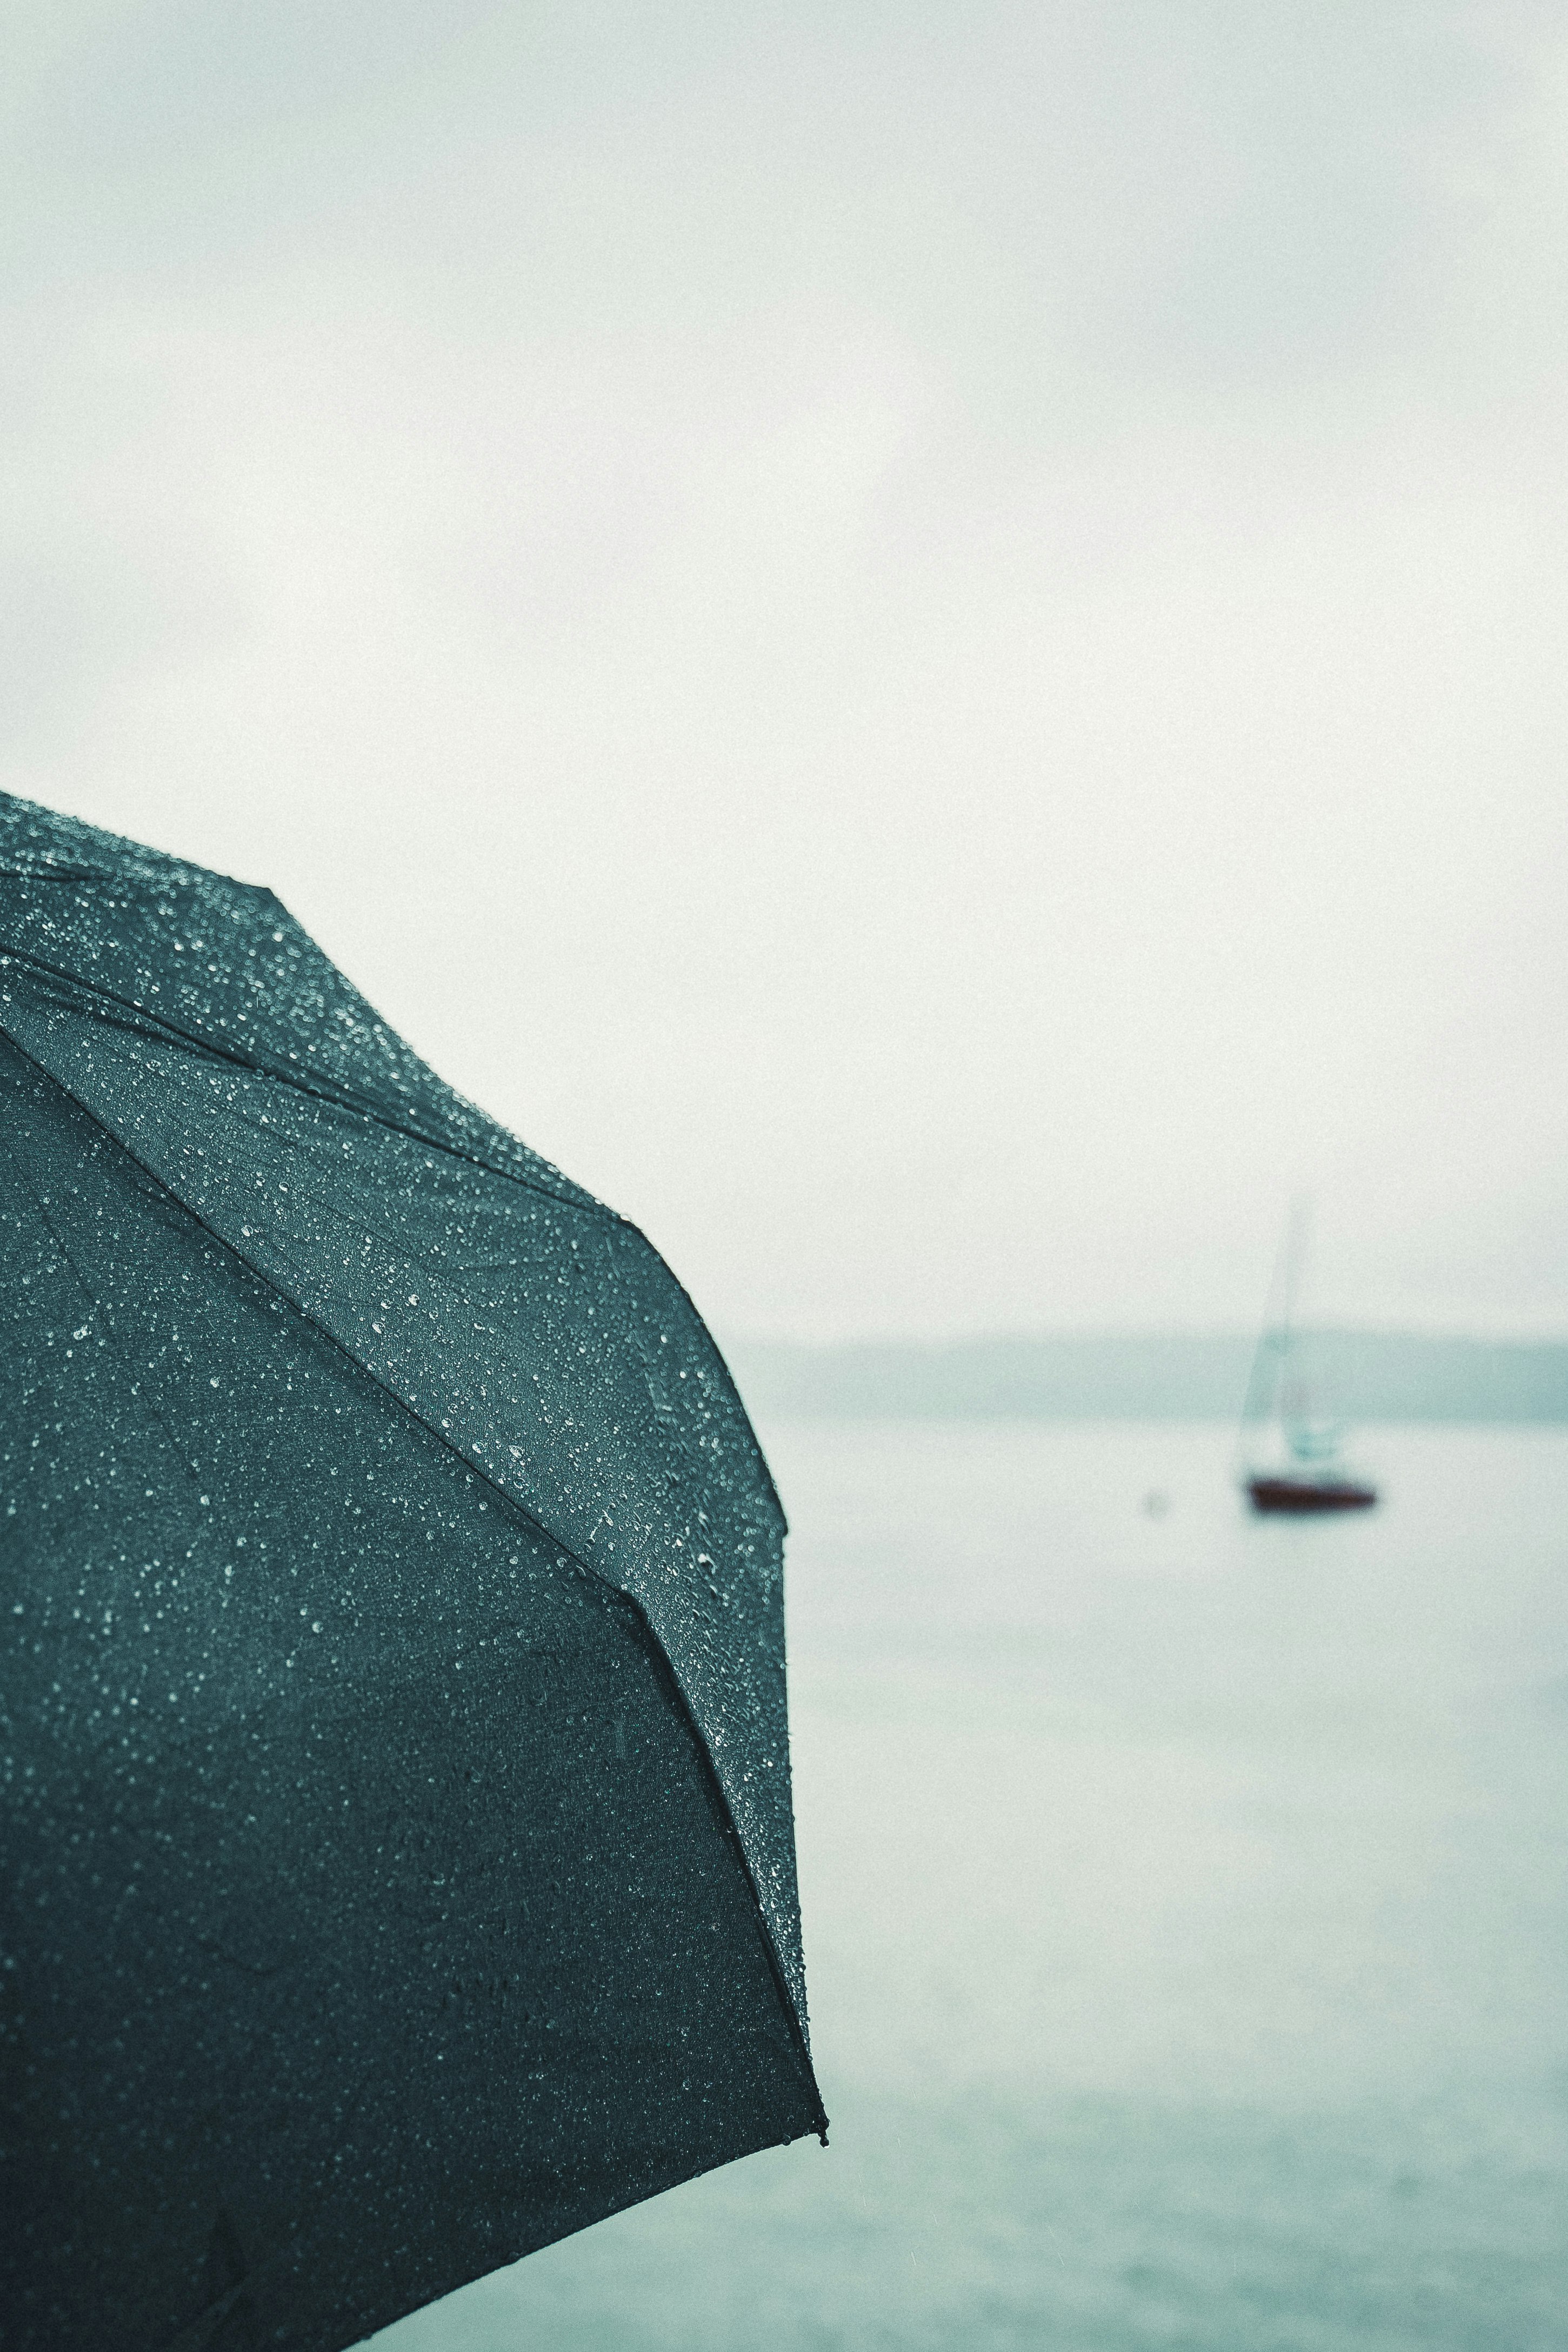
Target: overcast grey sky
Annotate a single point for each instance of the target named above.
(927, 642)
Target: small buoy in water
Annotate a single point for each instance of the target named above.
(1156, 1503)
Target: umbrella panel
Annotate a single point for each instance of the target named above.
(526, 1324)
(373, 1914)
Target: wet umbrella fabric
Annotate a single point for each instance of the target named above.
(399, 1867)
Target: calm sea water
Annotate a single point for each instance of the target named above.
(1187, 1920)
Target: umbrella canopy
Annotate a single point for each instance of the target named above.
(399, 1866)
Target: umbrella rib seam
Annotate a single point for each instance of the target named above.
(346, 1098)
(665, 1665)
(322, 1090)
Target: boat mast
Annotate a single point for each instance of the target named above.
(1279, 1317)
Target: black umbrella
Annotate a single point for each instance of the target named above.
(401, 1864)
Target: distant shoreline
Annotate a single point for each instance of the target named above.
(1366, 1376)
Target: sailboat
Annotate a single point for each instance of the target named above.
(1311, 1477)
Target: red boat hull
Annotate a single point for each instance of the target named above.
(1297, 1494)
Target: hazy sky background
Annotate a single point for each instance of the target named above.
(927, 642)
